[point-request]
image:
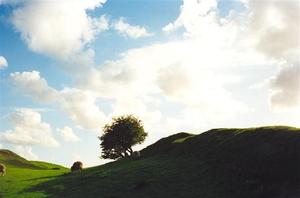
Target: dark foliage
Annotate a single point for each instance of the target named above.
(119, 137)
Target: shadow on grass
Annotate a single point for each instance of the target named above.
(84, 185)
(221, 163)
(58, 186)
(124, 178)
(112, 180)
(38, 178)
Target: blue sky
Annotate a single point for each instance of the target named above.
(67, 67)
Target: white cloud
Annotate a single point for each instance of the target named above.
(151, 117)
(101, 24)
(61, 29)
(194, 14)
(275, 25)
(128, 30)
(28, 129)
(26, 152)
(79, 104)
(285, 87)
(3, 62)
(68, 134)
(32, 84)
(183, 72)
(168, 66)
(270, 28)
(195, 73)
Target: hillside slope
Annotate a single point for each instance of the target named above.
(12, 160)
(22, 174)
(221, 163)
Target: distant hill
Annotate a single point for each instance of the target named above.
(11, 159)
(220, 163)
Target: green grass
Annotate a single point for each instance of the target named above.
(18, 180)
(23, 174)
(221, 163)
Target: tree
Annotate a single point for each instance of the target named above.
(120, 135)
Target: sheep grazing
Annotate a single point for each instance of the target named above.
(77, 167)
(2, 169)
(136, 155)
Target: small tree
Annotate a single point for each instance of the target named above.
(120, 135)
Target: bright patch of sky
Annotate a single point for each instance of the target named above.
(67, 67)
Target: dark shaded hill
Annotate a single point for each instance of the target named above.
(220, 163)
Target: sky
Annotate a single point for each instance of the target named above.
(67, 67)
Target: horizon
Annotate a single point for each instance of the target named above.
(182, 132)
(68, 67)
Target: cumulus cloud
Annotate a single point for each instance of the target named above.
(285, 87)
(185, 75)
(100, 24)
(3, 62)
(26, 152)
(194, 14)
(168, 78)
(68, 134)
(33, 85)
(79, 105)
(61, 29)
(193, 74)
(28, 129)
(195, 71)
(184, 72)
(128, 30)
(275, 25)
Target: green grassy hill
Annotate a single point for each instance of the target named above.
(220, 163)
(12, 160)
(23, 174)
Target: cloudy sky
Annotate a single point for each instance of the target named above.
(68, 66)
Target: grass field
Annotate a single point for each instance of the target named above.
(221, 163)
(23, 174)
